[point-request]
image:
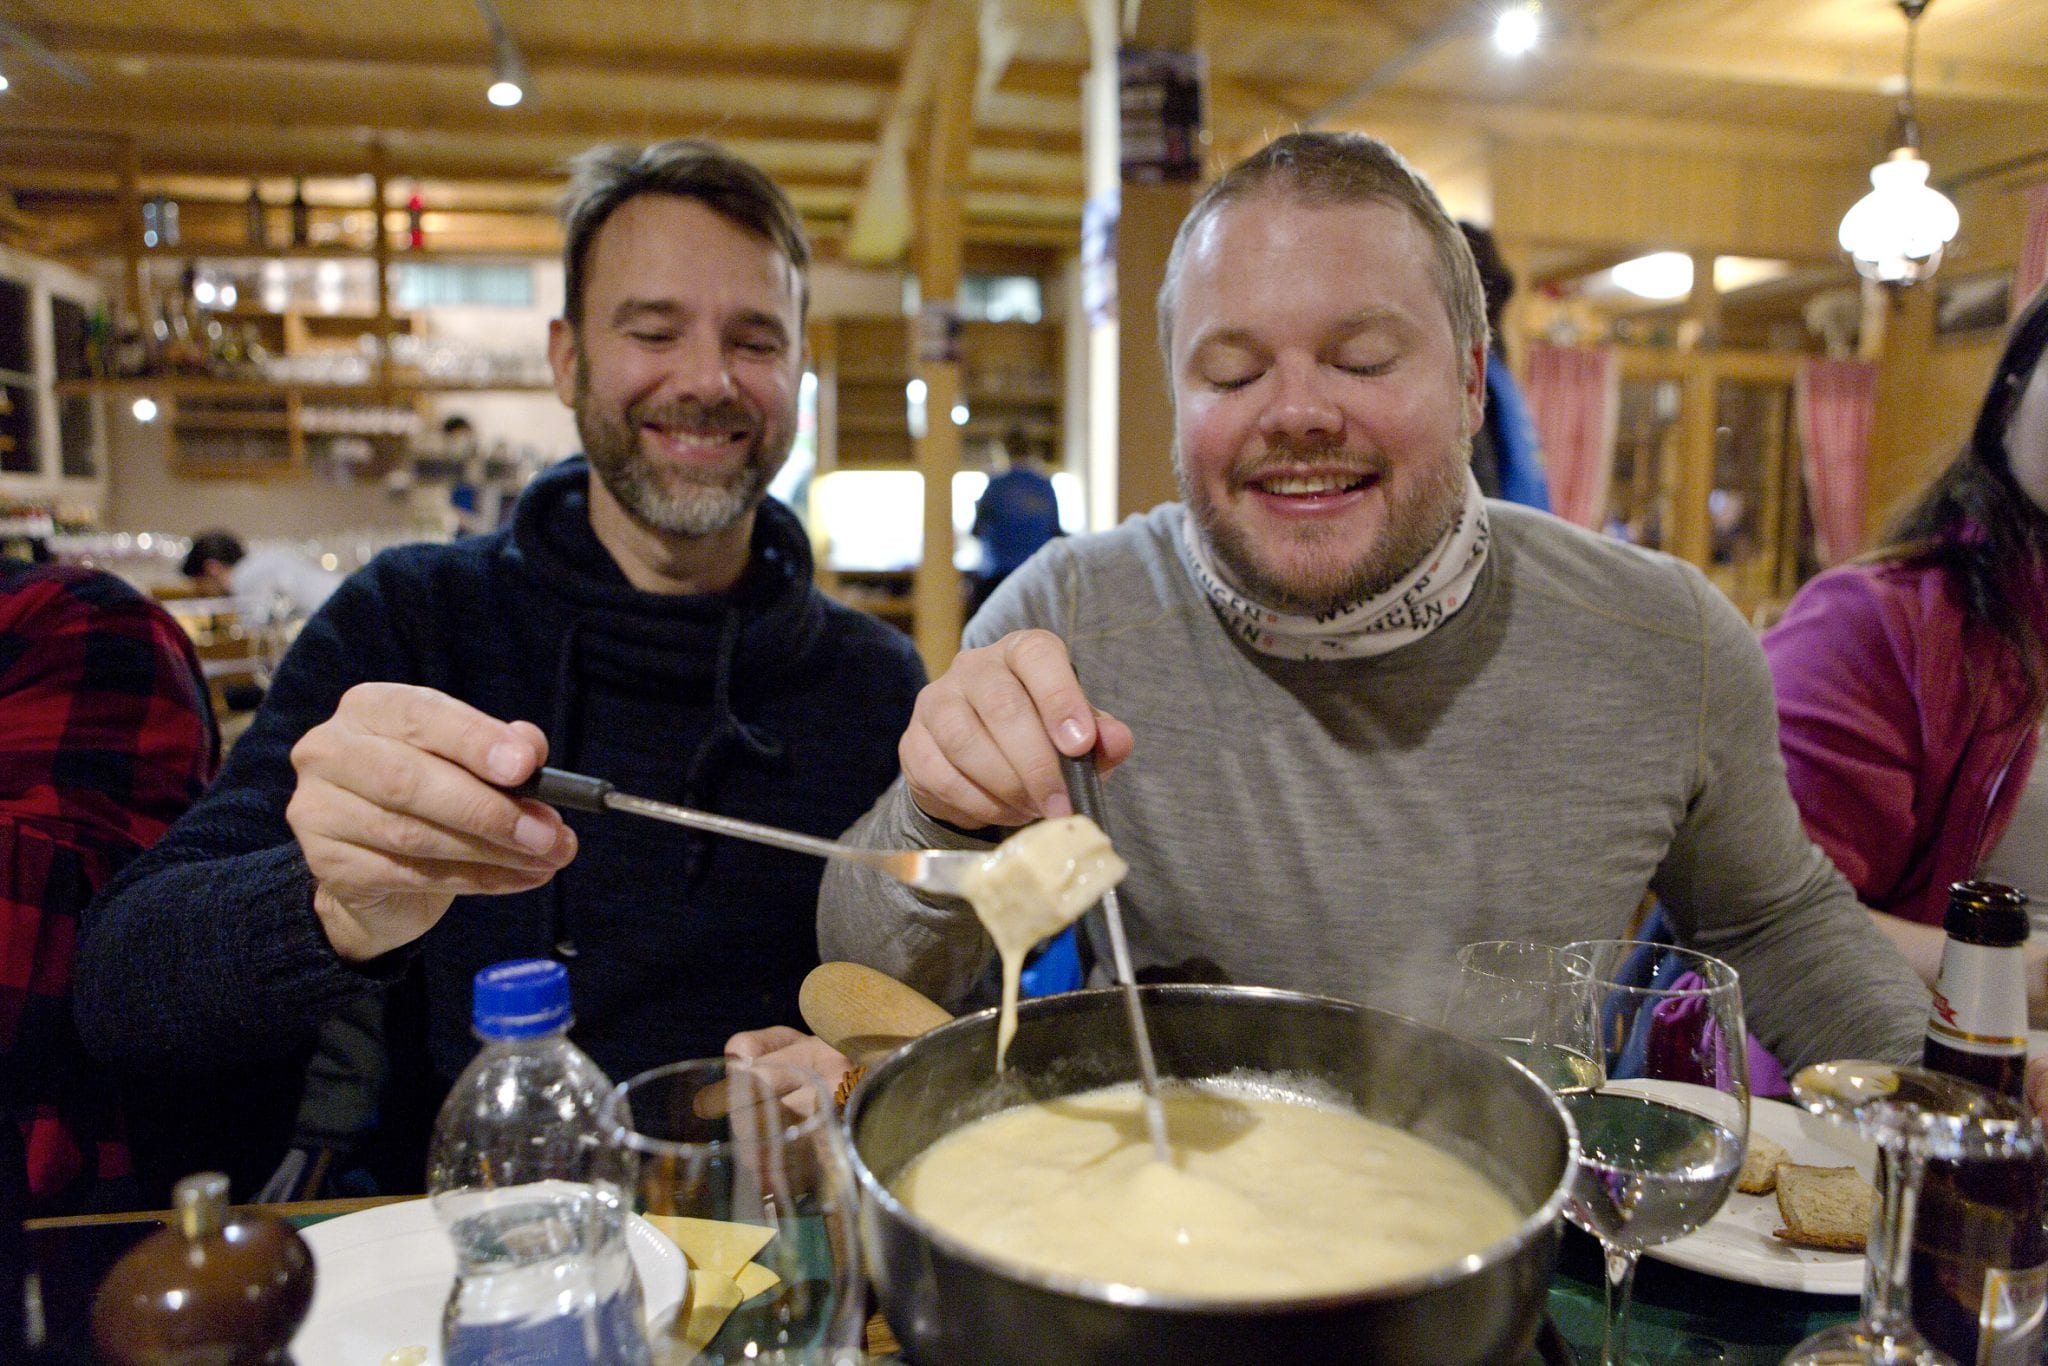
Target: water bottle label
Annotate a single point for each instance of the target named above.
(608, 1334)
(1980, 1004)
(2009, 1322)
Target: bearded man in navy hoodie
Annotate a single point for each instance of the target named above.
(648, 617)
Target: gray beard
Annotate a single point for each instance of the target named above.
(1412, 532)
(692, 508)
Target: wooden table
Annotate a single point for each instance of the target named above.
(1679, 1315)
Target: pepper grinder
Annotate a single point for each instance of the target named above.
(214, 1287)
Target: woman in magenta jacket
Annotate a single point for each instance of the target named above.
(1912, 684)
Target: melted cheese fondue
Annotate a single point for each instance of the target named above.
(1035, 884)
(1267, 1198)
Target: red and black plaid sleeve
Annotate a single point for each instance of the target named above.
(106, 736)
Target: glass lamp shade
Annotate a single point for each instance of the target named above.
(1896, 232)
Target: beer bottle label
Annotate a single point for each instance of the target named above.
(1980, 1005)
(2009, 1322)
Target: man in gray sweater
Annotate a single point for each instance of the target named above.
(1357, 715)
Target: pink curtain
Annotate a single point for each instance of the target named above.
(2033, 267)
(1575, 398)
(1837, 399)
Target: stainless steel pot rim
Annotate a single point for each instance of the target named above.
(1546, 1215)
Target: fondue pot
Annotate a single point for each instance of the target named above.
(953, 1306)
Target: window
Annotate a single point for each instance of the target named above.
(442, 284)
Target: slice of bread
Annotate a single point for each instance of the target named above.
(1760, 1159)
(1824, 1207)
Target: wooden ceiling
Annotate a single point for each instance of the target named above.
(198, 96)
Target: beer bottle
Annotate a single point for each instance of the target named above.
(1977, 1029)
(1980, 1255)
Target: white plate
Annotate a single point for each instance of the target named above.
(381, 1277)
(1737, 1244)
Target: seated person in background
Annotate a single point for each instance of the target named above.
(1359, 715)
(647, 618)
(106, 737)
(271, 582)
(1017, 513)
(1506, 457)
(1912, 685)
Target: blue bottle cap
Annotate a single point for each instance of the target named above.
(521, 999)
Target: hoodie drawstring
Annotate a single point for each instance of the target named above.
(562, 746)
(727, 730)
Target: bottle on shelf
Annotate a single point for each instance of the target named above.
(256, 226)
(415, 220)
(531, 1195)
(1979, 1266)
(302, 214)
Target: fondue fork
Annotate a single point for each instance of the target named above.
(1084, 789)
(928, 870)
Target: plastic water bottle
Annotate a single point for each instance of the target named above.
(530, 1193)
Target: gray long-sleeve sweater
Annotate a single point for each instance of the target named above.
(1595, 722)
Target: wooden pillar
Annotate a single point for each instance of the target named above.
(1150, 216)
(936, 253)
(1099, 132)
(128, 204)
(380, 252)
(1690, 536)
(1703, 305)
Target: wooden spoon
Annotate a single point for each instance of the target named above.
(864, 1013)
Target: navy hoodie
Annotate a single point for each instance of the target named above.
(769, 703)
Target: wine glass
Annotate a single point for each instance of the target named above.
(1527, 1001)
(1913, 1115)
(1661, 1139)
(743, 1163)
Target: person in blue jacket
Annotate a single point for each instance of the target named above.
(1506, 458)
(1016, 514)
(648, 617)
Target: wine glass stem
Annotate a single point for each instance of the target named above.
(1621, 1282)
(1887, 1287)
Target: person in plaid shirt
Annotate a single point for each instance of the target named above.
(106, 736)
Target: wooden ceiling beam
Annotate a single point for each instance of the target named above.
(257, 43)
(487, 125)
(877, 69)
(480, 125)
(884, 216)
(1866, 70)
(27, 163)
(1240, 112)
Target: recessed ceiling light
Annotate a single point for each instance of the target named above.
(1517, 28)
(504, 94)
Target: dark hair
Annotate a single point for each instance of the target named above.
(1977, 525)
(604, 178)
(224, 546)
(1494, 276)
(1323, 168)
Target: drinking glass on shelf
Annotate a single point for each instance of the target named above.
(1529, 1002)
(1661, 1139)
(1913, 1115)
(743, 1163)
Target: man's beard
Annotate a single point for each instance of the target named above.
(1411, 531)
(683, 502)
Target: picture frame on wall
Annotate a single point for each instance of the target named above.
(1967, 306)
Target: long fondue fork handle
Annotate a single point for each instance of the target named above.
(1084, 789)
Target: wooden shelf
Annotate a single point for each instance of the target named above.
(255, 422)
(195, 250)
(189, 386)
